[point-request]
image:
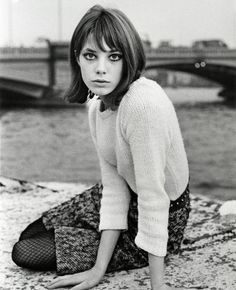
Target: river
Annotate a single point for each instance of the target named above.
(54, 144)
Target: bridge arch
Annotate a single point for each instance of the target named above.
(222, 74)
(215, 65)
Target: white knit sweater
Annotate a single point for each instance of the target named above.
(141, 145)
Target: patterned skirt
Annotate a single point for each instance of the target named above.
(76, 221)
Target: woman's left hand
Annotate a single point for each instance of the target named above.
(81, 281)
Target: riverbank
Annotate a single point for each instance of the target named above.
(207, 260)
(54, 144)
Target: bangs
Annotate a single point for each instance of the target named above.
(105, 30)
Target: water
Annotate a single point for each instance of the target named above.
(55, 144)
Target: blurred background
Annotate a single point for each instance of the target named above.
(191, 51)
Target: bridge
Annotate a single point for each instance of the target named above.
(218, 65)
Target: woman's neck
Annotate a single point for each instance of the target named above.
(103, 106)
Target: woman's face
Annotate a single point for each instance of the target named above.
(101, 70)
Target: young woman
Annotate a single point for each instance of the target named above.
(138, 213)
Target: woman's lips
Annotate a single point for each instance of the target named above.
(100, 81)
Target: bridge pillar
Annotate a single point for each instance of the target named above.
(51, 62)
(229, 95)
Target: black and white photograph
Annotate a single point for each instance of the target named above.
(118, 144)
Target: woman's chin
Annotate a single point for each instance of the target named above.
(101, 92)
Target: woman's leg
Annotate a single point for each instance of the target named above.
(33, 229)
(36, 247)
(37, 252)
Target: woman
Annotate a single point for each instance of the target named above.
(139, 212)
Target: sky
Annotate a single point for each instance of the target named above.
(23, 22)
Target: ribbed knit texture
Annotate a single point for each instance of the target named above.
(141, 145)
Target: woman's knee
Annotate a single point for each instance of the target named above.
(18, 254)
(37, 253)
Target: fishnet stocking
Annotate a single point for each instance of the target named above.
(36, 252)
(33, 229)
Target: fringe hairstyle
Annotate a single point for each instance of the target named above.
(112, 26)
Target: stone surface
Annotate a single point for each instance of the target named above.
(207, 259)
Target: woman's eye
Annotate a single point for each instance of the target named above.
(115, 57)
(89, 56)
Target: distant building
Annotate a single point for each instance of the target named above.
(165, 44)
(211, 43)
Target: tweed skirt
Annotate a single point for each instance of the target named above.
(76, 221)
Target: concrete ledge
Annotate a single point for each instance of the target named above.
(207, 260)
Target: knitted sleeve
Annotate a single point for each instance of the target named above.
(115, 198)
(149, 139)
(115, 193)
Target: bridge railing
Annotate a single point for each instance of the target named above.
(191, 52)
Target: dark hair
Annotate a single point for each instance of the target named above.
(112, 26)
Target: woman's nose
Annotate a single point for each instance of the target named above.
(101, 67)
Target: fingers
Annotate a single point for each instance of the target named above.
(80, 281)
(67, 280)
(64, 282)
(83, 286)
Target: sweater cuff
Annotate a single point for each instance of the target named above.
(113, 222)
(152, 245)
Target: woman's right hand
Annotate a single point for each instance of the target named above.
(80, 281)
